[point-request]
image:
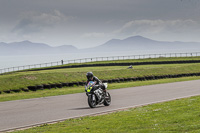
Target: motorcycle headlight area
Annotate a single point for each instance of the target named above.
(89, 89)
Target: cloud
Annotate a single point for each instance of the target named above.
(35, 22)
(157, 26)
(150, 28)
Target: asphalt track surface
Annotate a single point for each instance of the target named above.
(30, 112)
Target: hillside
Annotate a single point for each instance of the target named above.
(143, 44)
(27, 47)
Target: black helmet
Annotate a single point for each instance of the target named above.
(89, 75)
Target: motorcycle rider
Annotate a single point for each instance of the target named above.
(91, 77)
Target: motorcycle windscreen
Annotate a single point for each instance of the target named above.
(90, 85)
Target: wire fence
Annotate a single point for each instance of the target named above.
(94, 59)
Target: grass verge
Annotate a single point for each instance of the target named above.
(181, 115)
(21, 80)
(72, 90)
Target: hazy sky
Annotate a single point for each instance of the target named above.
(88, 23)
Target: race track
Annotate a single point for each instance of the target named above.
(26, 113)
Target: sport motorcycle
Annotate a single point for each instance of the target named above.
(96, 95)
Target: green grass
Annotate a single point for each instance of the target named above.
(72, 90)
(181, 115)
(23, 79)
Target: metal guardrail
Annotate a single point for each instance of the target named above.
(84, 60)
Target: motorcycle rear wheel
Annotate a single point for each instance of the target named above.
(107, 100)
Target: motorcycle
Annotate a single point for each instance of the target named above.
(96, 95)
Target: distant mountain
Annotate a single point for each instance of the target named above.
(27, 47)
(140, 43)
(65, 48)
(131, 42)
(134, 44)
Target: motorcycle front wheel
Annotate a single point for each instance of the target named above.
(92, 101)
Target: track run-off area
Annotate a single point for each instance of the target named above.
(31, 112)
